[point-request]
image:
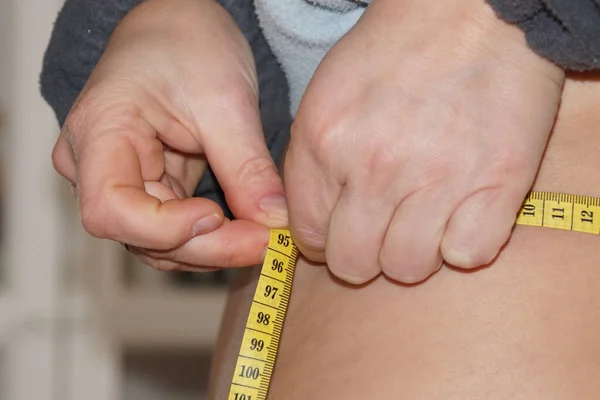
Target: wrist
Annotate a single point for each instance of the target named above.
(179, 24)
(470, 28)
(509, 43)
(174, 37)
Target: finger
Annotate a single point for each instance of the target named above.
(62, 158)
(113, 201)
(166, 265)
(311, 199)
(411, 248)
(480, 226)
(237, 243)
(183, 171)
(356, 233)
(162, 191)
(236, 150)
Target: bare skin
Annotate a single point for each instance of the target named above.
(525, 327)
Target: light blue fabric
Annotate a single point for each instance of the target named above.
(301, 32)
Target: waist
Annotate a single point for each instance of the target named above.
(525, 327)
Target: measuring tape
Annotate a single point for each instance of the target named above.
(256, 358)
(258, 351)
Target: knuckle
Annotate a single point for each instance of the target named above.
(309, 241)
(351, 274)
(255, 169)
(98, 216)
(508, 164)
(60, 162)
(57, 159)
(169, 242)
(94, 220)
(423, 167)
(351, 262)
(435, 171)
(407, 271)
(379, 158)
(321, 137)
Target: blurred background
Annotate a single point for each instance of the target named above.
(79, 318)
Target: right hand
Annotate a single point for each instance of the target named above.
(175, 88)
(428, 154)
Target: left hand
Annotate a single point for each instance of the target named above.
(417, 140)
(176, 87)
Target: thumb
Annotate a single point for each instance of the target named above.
(235, 147)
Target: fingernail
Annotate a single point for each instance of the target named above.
(207, 224)
(275, 205)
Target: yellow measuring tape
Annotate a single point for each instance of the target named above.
(258, 351)
(256, 358)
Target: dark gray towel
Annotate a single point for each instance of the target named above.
(565, 31)
(81, 33)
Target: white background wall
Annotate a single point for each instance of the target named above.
(54, 345)
(31, 242)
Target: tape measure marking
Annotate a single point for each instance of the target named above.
(256, 358)
(561, 211)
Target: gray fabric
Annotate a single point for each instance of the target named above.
(79, 37)
(81, 33)
(564, 31)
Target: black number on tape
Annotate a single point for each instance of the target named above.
(271, 291)
(529, 210)
(256, 344)
(263, 318)
(277, 265)
(283, 240)
(558, 213)
(587, 216)
(249, 372)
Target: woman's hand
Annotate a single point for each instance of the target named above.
(417, 140)
(175, 89)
